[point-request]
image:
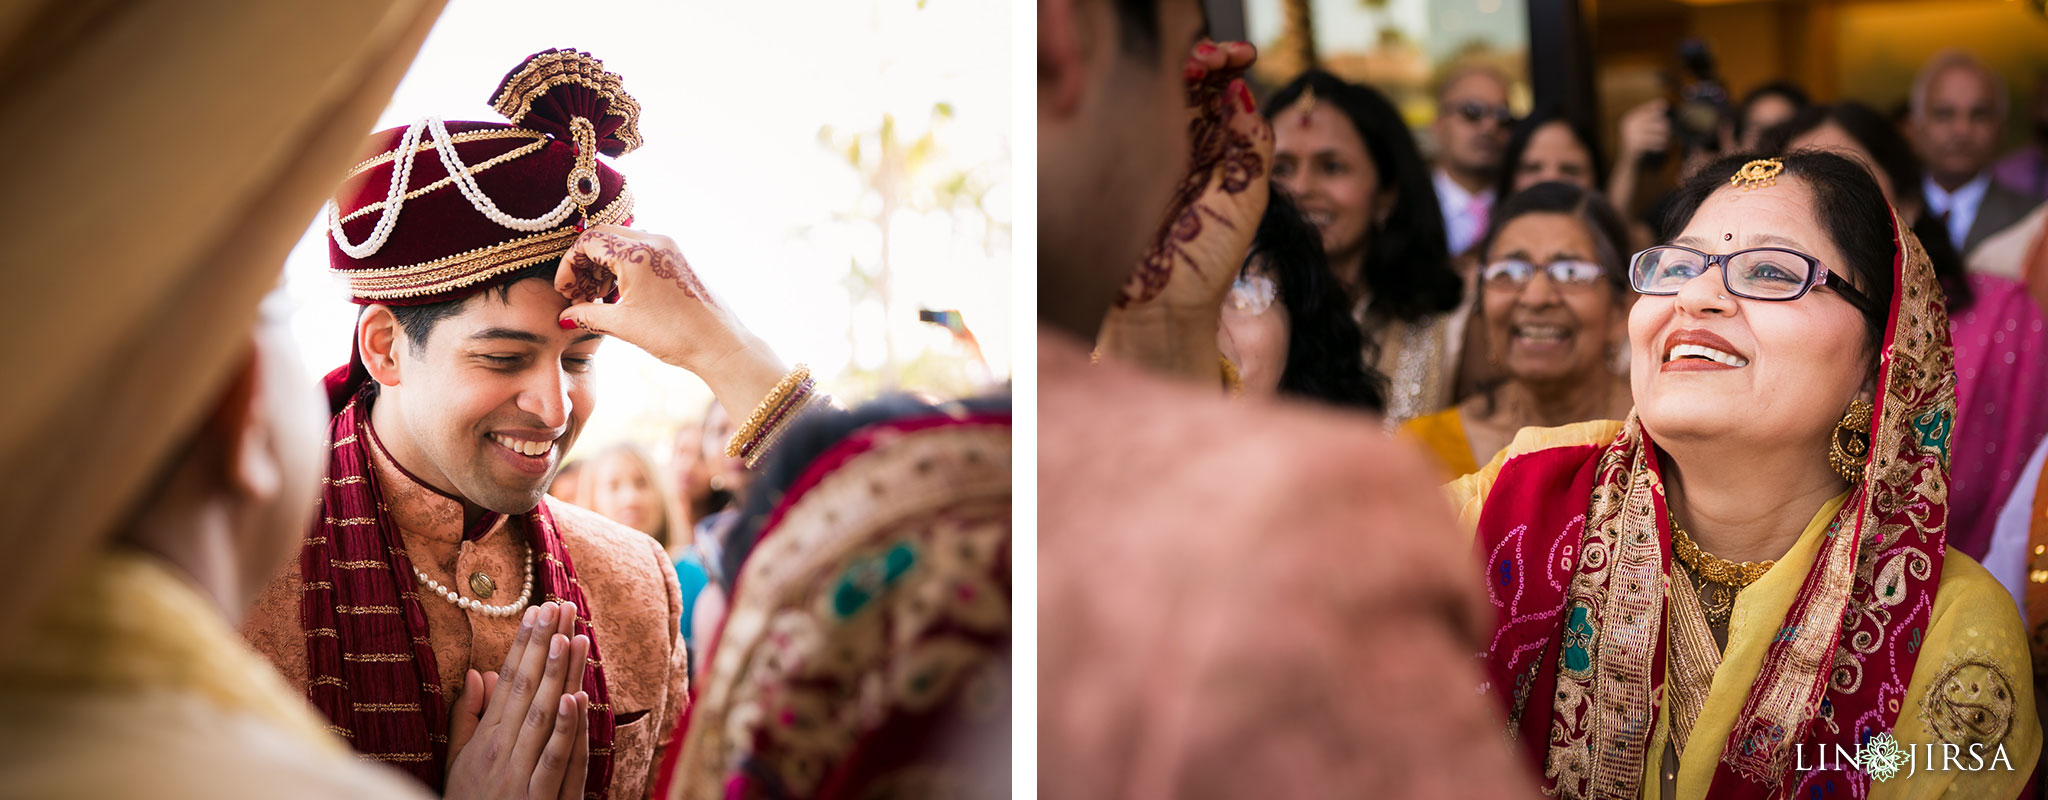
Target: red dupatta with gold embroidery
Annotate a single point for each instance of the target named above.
(868, 636)
(371, 663)
(1578, 561)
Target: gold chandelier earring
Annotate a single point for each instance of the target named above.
(1849, 447)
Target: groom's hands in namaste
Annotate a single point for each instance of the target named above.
(524, 731)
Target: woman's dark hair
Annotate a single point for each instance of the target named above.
(1407, 263)
(1518, 143)
(1610, 234)
(1325, 349)
(1779, 88)
(1847, 201)
(809, 438)
(1895, 156)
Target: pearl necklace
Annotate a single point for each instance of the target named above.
(465, 603)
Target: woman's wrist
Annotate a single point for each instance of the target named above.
(742, 377)
(1177, 342)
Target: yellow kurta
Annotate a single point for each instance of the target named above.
(1974, 626)
(133, 686)
(1443, 434)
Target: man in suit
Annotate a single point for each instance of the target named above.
(1958, 107)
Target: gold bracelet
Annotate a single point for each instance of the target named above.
(774, 435)
(737, 445)
(1232, 381)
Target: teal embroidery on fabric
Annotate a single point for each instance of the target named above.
(868, 577)
(1578, 640)
(1934, 427)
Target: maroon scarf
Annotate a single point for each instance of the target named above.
(1577, 558)
(371, 663)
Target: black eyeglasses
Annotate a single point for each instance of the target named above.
(1473, 111)
(1772, 274)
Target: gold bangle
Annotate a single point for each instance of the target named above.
(1232, 381)
(737, 445)
(774, 435)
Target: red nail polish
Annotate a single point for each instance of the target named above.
(567, 324)
(1205, 48)
(1244, 95)
(1195, 72)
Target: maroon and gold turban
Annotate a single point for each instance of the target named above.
(442, 210)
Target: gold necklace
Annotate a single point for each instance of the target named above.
(1714, 568)
(1722, 578)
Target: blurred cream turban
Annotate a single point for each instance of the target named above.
(160, 158)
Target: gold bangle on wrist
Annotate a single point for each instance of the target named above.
(1232, 381)
(737, 446)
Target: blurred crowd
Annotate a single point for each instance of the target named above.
(1437, 261)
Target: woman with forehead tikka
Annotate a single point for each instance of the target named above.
(1749, 576)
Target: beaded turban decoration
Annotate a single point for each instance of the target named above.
(442, 210)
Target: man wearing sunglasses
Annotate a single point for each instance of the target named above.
(1471, 129)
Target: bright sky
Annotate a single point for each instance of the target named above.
(733, 97)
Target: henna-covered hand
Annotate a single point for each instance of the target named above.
(664, 309)
(1216, 208)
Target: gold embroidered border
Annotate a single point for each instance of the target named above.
(348, 481)
(342, 732)
(327, 632)
(409, 758)
(449, 180)
(377, 658)
(343, 442)
(373, 708)
(367, 610)
(426, 144)
(354, 564)
(314, 586)
(457, 271)
(1694, 657)
(329, 680)
(352, 521)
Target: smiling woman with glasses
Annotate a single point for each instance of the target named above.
(1752, 568)
(1553, 310)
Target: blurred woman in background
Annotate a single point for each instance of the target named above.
(1287, 327)
(1347, 157)
(1547, 148)
(1553, 305)
(623, 485)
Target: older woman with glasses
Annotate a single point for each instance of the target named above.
(1744, 589)
(1553, 307)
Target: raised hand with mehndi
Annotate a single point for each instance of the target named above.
(664, 309)
(1169, 312)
